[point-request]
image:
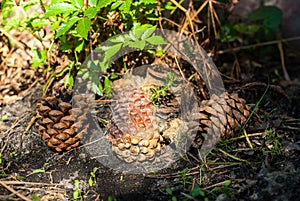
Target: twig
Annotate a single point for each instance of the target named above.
(179, 6)
(29, 183)
(285, 73)
(232, 156)
(29, 125)
(249, 135)
(14, 191)
(101, 101)
(217, 184)
(258, 45)
(187, 196)
(247, 139)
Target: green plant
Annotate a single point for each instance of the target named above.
(35, 197)
(197, 192)
(111, 198)
(41, 170)
(3, 117)
(15, 154)
(170, 192)
(224, 188)
(139, 38)
(77, 193)
(78, 26)
(5, 175)
(160, 93)
(184, 178)
(260, 23)
(92, 179)
(273, 142)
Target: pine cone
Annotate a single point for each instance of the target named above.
(223, 115)
(60, 125)
(140, 128)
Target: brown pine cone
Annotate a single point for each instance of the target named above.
(60, 125)
(141, 126)
(221, 116)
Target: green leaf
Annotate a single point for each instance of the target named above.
(136, 34)
(5, 175)
(66, 26)
(107, 85)
(118, 39)
(35, 197)
(169, 191)
(91, 182)
(148, 32)
(60, 8)
(159, 52)
(83, 27)
(227, 183)
(93, 3)
(271, 16)
(112, 51)
(174, 198)
(76, 182)
(114, 75)
(39, 23)
(79, 47)
(13, 23)
(7, 8)
(76, 194)
(137, 44)
(69, 81)
(39, 170)
(115, 5)
(0, 158)
(55, 25)
(142, 26)
(197, 191)
(125, 8)
(90, 12)
(156, 40)
(148, 1)
(77, 3)
(102, 3)
(39, 57)
(3, 118)
(97, 88)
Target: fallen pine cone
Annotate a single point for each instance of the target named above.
(60, 125)
(222, 115)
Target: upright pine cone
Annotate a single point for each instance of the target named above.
(135, 135)
(60, 125)
(141, 127)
